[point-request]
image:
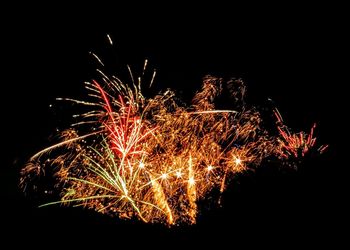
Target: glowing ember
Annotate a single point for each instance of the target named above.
(210, 168)
(238, 161)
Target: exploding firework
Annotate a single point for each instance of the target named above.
(153, 159)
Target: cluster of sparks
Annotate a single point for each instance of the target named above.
(153, 159)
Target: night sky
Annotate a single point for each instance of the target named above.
(292, 55)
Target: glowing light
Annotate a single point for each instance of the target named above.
(210, 168)
(191, 181)
(178, 174)
(238, 161)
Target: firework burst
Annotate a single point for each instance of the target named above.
(153, 159)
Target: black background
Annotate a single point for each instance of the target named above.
(292, 54)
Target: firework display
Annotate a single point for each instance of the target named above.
(153, 158)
